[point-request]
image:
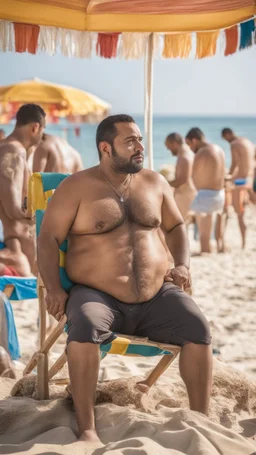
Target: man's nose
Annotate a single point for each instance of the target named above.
(140, 147)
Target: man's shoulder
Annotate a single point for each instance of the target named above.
(12, 146)
(151, 176)
(84, 177)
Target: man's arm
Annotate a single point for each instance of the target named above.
(234, 163)
(181, 173)
(58, 218)
(174, 227)
(40, 158)
(12, 182)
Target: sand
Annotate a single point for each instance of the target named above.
(160, 422)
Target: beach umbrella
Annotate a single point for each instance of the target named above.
(59, 101)
(36, 26)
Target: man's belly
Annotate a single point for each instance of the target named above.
(129, 272)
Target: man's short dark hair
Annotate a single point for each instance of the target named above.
(175, 137)
(226, 131)
(195, 133)
(29, 113)
(107, 131)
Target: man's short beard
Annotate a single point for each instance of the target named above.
(124, 166)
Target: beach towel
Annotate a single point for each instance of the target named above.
(8, 334)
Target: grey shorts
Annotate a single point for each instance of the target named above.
(171, 316)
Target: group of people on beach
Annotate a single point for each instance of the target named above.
(204, 189)
(122, 226)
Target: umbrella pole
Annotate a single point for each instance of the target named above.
(148, 121)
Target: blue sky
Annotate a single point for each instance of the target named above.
(213, 86)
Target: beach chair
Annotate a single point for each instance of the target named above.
(41, 186)
(13, 288)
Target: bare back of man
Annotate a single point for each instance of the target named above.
(208, 176)
(241, 173)
(13, 188)
(12, 260)
(14, 175)
(54, 154)
(184, 188)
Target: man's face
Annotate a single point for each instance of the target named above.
(127, 150)
(37, 131)
(194, 144)
(172, 146)
(228, 137)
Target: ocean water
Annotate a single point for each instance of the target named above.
(211, 126)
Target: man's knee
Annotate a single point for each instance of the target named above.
(89, 323)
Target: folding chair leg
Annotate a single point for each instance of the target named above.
(162, 365)
(42, 316)
(42, 377)
(57, 366)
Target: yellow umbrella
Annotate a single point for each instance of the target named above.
(57, 100)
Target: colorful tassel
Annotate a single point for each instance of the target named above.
(206, 44)
(66, 43)
(107, 44)
(231, 35)
(246, 34)
(83, 43)
(6, 36)
(133, 45)
(48, 38)
(26, 37)
(177, 45)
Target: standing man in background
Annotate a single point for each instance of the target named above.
(14, 173)
(241, 173)
(184, 188)
(208, 175)
(54, 154)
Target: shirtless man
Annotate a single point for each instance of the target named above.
(183, 184)
(208, 176)
(12, 261)
(14, 176)
(54, 154)
(241, 173)
(2, 134)
(112, 217)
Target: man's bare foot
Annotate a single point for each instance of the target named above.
(6, 369)
(91, 438)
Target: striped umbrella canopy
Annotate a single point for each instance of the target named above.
(38, 26)
(129, 15)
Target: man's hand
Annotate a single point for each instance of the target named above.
(56, 302)
(180, 276)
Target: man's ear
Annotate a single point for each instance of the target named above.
(105, 148)
(35, 127)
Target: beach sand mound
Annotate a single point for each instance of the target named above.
(130, 422)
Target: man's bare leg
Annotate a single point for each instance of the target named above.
(196, 372)
(219, 232)
(83, 364)
(204, 223)
(242, 227)
(239, 201)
